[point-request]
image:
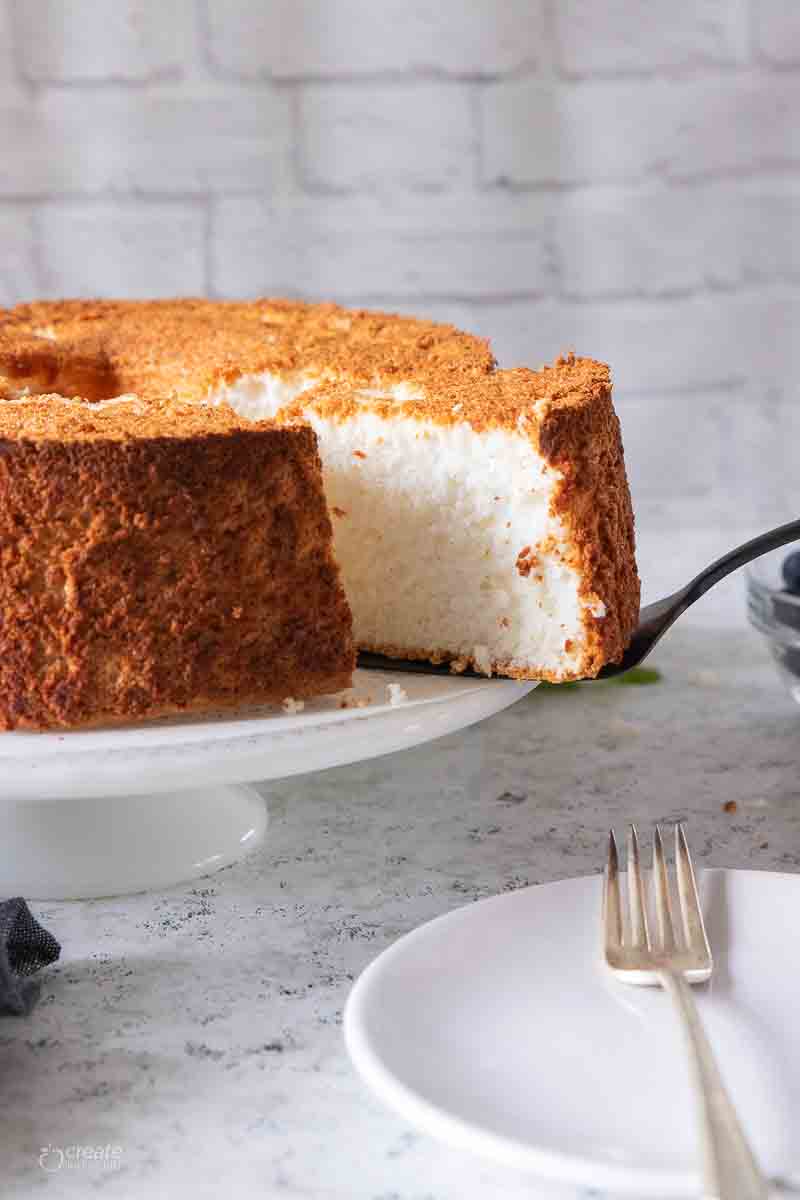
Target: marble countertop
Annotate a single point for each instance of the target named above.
(198, 1031)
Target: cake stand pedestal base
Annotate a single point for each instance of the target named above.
(78, 848)
(70, 827)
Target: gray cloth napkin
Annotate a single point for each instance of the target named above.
(25, 947)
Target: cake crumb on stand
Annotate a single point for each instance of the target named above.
(350, 700)
(483, 660)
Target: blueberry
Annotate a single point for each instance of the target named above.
(791, 572)
(787, 611)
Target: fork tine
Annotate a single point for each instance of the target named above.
(612, 908)
(666, 930)
(691, 912)
(640, 937)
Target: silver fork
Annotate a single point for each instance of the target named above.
(676, 958)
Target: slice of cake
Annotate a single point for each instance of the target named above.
(482, 517)
(159, 560)
(486, 522)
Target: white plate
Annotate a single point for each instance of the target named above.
(497, 1029)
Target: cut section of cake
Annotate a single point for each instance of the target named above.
(161, 560)
(485, 522)
(482, 517)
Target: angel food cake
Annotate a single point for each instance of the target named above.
(481, 516)
(158, 561)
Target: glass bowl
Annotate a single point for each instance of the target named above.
(776, 613)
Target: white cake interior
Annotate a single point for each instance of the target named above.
(429, 525)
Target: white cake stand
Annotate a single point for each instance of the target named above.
(122, 810)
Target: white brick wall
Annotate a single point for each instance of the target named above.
(662, 242)
(616, 176)
(537, 132)
(416, 135)
(18, 274)
(131, 248)
(156, 140)
(304, 39)
(387, 247)
(8, 57)
(618, 36)
(777, 24)
(95, 40)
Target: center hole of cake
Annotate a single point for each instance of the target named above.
(75, 378)
(88, 382)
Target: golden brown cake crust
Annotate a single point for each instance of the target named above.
(56, 418)
(154, 574)
(182, 348)
(579, 434)
(185, 349)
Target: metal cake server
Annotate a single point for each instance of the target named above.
(654, 619)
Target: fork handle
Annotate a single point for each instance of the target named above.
(730, 1171)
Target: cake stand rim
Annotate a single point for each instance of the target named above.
(164, 758)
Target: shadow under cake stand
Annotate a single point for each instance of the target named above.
(110, 811)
